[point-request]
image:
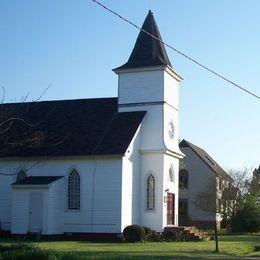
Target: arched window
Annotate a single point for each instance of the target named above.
(171, 177)
(183, 179)
(21, 175)
(150, 203)
(74, 190)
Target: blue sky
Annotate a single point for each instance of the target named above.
(74, 45)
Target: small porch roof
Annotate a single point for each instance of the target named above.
(37, 180)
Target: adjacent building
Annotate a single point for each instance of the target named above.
(202, 182)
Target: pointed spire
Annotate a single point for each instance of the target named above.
(148, 51)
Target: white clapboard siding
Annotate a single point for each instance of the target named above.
(5, 201)
(131, 185)
(57, 190)
(100, 188)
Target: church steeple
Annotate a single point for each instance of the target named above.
(147, 51)
(147, 77)
(147, 82)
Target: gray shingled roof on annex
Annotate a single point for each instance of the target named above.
(206, 158)
(37, 180)
(67, 127)
(148, 51)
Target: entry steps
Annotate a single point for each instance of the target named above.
(190, 233)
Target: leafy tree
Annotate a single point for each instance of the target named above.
(247, 217)
(237, 203)
(218, 201)
(254, 184)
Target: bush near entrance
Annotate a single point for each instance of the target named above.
(134, 233)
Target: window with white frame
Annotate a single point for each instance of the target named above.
(74, 191)
(171, 174)
(150, 203)
(21, 175)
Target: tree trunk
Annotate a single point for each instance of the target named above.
(216, 237)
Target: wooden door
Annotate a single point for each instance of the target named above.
(36, 211)
(170, 208)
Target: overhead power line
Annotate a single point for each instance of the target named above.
(179, 52)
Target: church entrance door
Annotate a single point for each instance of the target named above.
(36, 210)
(170, 208)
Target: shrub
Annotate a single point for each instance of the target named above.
(170, 235)
(134, 233)
(152, 235)
(247, 218)
(148, 233)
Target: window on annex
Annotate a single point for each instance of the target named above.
(21, 175)
(171, 174)
(220, 186)
(183, 179)
(150, 200)
(74, 191)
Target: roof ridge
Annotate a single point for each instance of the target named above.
(57, 101)
(208, 160)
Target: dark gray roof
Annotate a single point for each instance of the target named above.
(206, 158)
(148, 51)
(66, 127)
(39, 180)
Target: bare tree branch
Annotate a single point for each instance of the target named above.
(23, 129)
(3, 96)
(43, 93)
(17, 119)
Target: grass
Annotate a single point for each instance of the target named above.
(231, 247)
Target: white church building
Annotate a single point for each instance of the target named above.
(96, 165)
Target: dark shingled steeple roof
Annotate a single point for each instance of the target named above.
(147, 51)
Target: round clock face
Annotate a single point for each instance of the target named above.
(171, 129)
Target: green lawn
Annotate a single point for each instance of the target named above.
(230, 247)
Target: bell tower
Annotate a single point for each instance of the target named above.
(147, 82)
